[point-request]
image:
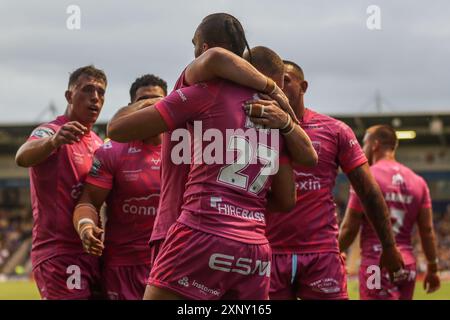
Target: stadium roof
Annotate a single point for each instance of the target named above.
(429, 128)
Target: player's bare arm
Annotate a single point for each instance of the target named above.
(34, 152)
(431, 282)
(377, 212)
(267, 112)
(282, 196)
(86, 220)
(221, 63)
(349, 228)
(138, 105)
(128, 126)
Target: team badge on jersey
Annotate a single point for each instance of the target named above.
(107, 144)
(397, 179)
(42, 132)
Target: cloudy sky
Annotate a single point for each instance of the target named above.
(407, 61)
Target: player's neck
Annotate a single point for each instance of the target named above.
(299, 109)
(72, 117)
(387, 155)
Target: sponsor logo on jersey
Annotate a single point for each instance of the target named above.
(134, 150)
(244, 266)
(42, 132)
(307, 181)
(353, 142)
(156, 161)
(204, 289)
(140, 205)
(184, 282)
(232, 210)
(214, 201)
(181, 94)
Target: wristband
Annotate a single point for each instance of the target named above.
(288, 122)
(84, 229)
(85, 221)
(270, 86)
(288, 132)
(83, 225)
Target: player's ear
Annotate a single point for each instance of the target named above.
(205, 46)
(68, 95)
(376, 145)
(304, 86)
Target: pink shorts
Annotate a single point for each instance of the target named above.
(370, 289)
(125, 282)
(68, 277)
(202, 266)
(310, 276)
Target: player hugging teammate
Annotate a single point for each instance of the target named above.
(236, 200)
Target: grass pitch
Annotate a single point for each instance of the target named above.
(27, 290)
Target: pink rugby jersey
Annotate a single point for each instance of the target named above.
(55, 186)
(173, 183)
(131, 171)
(312, 225)
(225, 198)
(405, 193)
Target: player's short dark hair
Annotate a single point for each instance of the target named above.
(223, 30)
(90, 71)
(145, 81)
(385, 134)
(267, 61)
(297, 69)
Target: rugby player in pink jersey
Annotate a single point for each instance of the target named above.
(216, 204)
(60, 155)
(222, 217)
(127, 177)
(409, 202)
(306, 262)
(219, 45)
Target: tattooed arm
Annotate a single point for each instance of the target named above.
(349, 228)
(377, 213)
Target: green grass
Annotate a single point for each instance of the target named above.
(26, 290)
(419, 294)
(18, 290)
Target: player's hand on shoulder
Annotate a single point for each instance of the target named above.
(267, 112)
(69, 133)
(283, 101)
(144, 103)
